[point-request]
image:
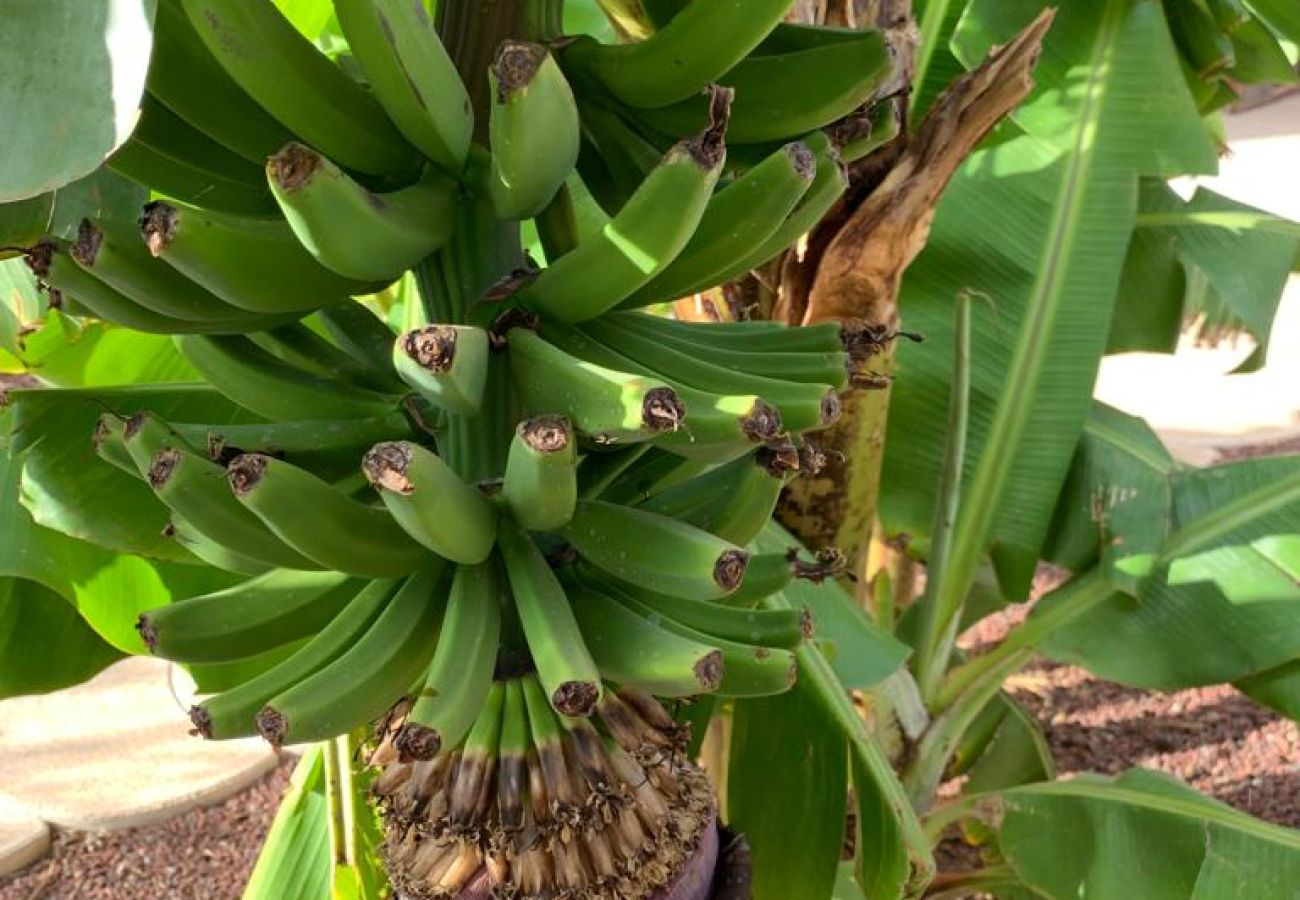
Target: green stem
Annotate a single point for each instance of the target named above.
(543, 19)
(1059, 607)
(935, 636)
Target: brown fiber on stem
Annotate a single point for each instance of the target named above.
(832, 408)
(293, 167)
(158, 225)
(662, 410)
(576, 698)
(710, 147)
(273, 726)
(729, 570)
(417, 742)
(162, 467)
(385, 467)
(245, 472)
(515, 67)
(547, 434)
(86, 248)
(432, 347)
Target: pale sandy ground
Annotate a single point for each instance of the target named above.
(1189, 397)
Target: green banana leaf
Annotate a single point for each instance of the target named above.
(106, 589)
(1282, 15)
(1142, 834)
(1038, 227)
(1277, 689)
(44, 644)
(295, 860)
(936, 64)
(795, 825)
(1003, 748)
(1201, 554)
(70, 85)
(309, 16)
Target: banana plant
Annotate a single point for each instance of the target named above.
(361, 403)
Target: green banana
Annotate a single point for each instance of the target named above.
(185, 76)
(607, 406)
(257, 381)
(765, 627)
(297, 84)
(748, 670)
(446, 364)
(460, 675)
(564, 665)
(771, 573)
(733, 421)
(290, 440)
(732, 502)
(351, 230)
(300, 345)
(411, 75)
(356, 688)
(361, 334)
(741, 215)
(653, 471)
(167, 134)
(233, 713)
(181, 179)
(783, 95)
(533, 130)
(751, 336)
(832, 368)
(114, 254)
(247, 619)
(541, 482)
(657, 552)
(647, 234)
(195, 489)
(211, 552)
(475, 774)
(512, 771)
(52, 262)
(321, 522)
(613, 155)
(631, 650)
(699, 45)
(829, 184)
(253, 264)
(431, 503)
(1206, 49)
(802, 406)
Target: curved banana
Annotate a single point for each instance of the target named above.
(179, 178)
(257, 381)
(233, 713)
(732, 502)
(413, 78)
(52, 263)
(190, 82)
(802, 406)
(541, 483)
(300, 345)
(114, 254)
(533, 130)
(291, 440)
(614, 158)
(699, 45)
(608, 406)
(361, 334)
(352, 230)
(297, 84)
(322, 523)
(247, 619)
(748, 670)
(783, 95)
(195, 489)
(169, 135)
(252, 264)
(633, 651)
(431, 503)
(446, 364)
(759, 336)
(742, 215)
(564, 665)
(211, 552)
(734, 421)
(357, 687)
(637, 244)
(655, 551)
(460, 674)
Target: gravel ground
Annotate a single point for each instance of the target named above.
(206, 854)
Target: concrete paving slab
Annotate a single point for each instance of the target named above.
(116, 752)
(23, 839)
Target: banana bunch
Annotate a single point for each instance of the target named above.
(534, 804)
(507, 524)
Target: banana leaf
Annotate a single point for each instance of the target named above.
(44, 644)
(295, 860)
(1282, 15)
(1142, 834)
(70, 86)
